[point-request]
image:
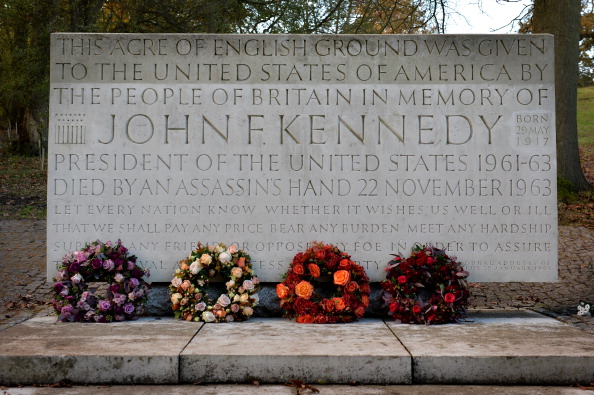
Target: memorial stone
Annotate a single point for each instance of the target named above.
(271, 142)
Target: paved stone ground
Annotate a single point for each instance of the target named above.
(25, 293)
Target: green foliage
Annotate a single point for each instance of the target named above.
(585, 118)
(566, 193)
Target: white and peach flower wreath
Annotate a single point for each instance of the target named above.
(188, 287)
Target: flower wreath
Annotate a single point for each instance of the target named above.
(296, 292)
(126, 293)
(427, 288)
(188, 287)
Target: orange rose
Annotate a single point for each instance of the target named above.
(339, 304)
(328, 305)
(314, 270)
(298, 269)
(184, 266)
(365, 300)
(305, 319)
(342, 277)
(282, 291)
(345, 264)
(321, 319)
(304, 290)
(241, 262)
(352, 286)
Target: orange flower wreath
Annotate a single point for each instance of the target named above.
(297, 292)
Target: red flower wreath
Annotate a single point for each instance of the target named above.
(297, 292)
(427, 288)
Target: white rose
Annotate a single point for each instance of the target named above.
(77, 278)
(236, 298)
(205, 259)
(225, 257)
(119, 277)
(208, 316)
(219, 249)
(195, 267)
(176, 282)
(248, 311)
(248, 284)
(224, 300)
(229, 284)
(244, 298)
(256, 299)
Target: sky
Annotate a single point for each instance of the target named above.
(483, 16)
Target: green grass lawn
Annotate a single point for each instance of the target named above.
(585, 118)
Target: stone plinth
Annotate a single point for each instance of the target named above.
(271, 142)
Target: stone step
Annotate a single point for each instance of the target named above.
(491, 347)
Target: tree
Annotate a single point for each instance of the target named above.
(344, 16)
(562, 19)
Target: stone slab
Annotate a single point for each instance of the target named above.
(279, 350)
(42, 350)
(230, 389)
(499, 347)
(369, 142)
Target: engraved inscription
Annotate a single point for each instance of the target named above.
(271, 142)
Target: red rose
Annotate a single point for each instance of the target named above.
(360, 311)
(328, 305)
(449, 298)
(299, 258)
(339, 303)
(352, 286)
(402, 279)
(298, 269)
(320, 255)
(366, 289)
(394, 306)
(314, 270)
(305, 319)
(365, 300)
(345, 264)
(416, 309)
(321, 319)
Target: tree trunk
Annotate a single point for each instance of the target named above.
(562, 19)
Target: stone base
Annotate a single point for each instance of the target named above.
(159, 303)
(492, 347)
